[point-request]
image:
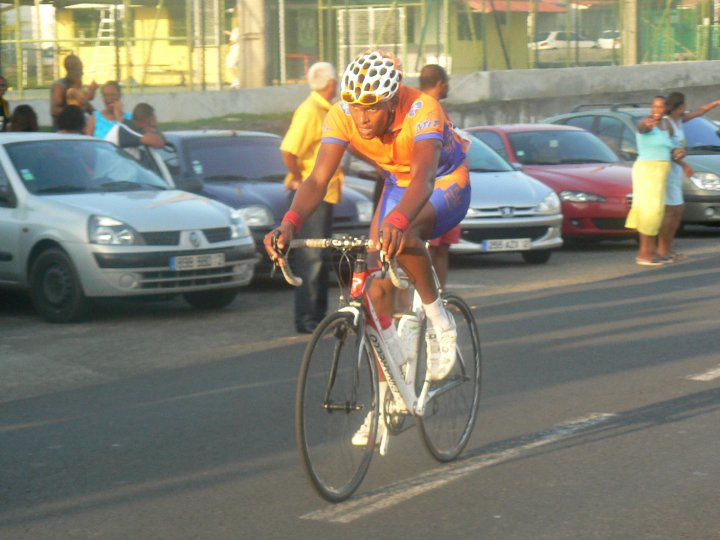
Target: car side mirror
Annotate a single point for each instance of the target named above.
(193, 184)
(628, 155)
(517, 166)
(7, 197)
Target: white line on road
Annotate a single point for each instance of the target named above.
(393, 494)
(707, 376)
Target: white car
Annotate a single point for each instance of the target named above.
(80, 219)
(559, 39)
(609, 39)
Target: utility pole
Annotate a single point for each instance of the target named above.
(629, 38)
(253, 36)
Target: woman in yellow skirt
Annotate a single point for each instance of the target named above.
(649, 174)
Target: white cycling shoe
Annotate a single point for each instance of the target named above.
(441, 351)
(361, 436)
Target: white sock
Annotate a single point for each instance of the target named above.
(438, 315)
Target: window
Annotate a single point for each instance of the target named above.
(481, 158)
(628, 144)
(465, 28)
(235, 158)
(561, 36)
(169, 156)
(72, 166)
(6, 192)
(493, 140)
(87, 22)
(583, 122)
(559, 147)
(176, 19)
(610, 130)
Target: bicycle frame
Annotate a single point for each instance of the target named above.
(403, 391)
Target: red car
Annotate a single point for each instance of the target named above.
(594, 186)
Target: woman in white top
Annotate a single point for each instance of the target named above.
(674, 203)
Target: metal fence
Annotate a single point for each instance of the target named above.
(184, 43)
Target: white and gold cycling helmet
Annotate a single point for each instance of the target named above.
(372, 77)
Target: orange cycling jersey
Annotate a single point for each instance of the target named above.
(418, 117)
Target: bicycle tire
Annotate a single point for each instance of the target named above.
(444, 430)
(333, 464)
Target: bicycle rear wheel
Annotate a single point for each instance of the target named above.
(337, 391)
(449, 417)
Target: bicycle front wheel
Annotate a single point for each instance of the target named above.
(336, 395)
(450, 415)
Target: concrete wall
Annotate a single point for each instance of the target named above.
(480, 98)
(527, 95)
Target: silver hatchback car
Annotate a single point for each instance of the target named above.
(79, 219)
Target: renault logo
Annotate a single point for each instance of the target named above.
(507, 211)
(195, 239)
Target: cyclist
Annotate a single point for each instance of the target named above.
(426, 193)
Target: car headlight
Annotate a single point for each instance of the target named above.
(581, 196)
(108, 231)
(238, 227)
(364, 211)
(706, 180)
(549, 205)
(257, 216)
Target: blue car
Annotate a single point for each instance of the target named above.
(245, 170)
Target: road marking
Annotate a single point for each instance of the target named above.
(385, 497)
(707, 376)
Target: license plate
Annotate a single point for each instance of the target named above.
(506, 244)
(196, 262)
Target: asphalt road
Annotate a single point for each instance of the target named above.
(600, 415)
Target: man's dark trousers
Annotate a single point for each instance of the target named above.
(313, 266)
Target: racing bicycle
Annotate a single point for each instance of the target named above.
(343, 364)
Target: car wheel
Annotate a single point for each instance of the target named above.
(540, 256)
(211, 299)
(55, 288)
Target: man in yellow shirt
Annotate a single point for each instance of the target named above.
(299, 151)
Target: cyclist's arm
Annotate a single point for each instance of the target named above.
(423, 170)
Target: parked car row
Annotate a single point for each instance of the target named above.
(80, 219)
(560, 39)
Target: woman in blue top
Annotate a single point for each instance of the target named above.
(101, 122)
(677, 116)
(649, 174)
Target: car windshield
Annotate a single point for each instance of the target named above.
(610, 34)
(235, 158)
(542, 36)
(701, 133)
(559, 147)
(482, 158)
(76, 166)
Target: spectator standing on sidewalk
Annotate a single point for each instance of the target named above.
(136, 134)
(674, 202)
(299, 151)
(649, 176)
(71, 120)
(103, 121)
(24, 119)
(72, 79)
(4, 105)
(434, 82)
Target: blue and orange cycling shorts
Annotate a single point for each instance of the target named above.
(450, 198)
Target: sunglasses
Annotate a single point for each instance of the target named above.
(364, 99)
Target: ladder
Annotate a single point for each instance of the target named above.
(104, 54)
